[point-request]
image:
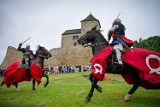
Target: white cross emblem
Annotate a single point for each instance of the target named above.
(98, 68)
(156, 70)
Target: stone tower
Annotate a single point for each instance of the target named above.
(71, 53)
(88, 23)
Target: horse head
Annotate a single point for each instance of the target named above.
(87, 37)
(97, 40)
(42, 52)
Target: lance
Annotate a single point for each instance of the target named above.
(118, 15)
(26, 40)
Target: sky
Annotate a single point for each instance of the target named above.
(45, 20)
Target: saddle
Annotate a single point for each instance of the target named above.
(22, 65)
(113, 65)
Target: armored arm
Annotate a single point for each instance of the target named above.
(32, 54)
(113, 29)
(19, 47)
(109, 34)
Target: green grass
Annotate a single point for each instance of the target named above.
(70, 90)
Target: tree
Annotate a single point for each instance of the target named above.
(151, 43)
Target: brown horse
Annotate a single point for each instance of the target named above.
(16, 71)
(133, 73)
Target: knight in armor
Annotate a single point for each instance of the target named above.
(117, 32)
(28, 56)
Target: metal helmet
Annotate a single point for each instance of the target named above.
(117, 20)
(27, 46)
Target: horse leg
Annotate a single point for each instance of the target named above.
(1, 84)
(134, 88)
(98, 88)
(16, 86)
(47, 79)
(33, 84)
(93, 85)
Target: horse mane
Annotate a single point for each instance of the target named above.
(38, 48)
(99, 31)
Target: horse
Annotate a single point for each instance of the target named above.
(98, 43)
(16, 71)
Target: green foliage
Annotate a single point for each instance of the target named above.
(151, 43)
(70, 90)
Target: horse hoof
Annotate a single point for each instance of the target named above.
(99, 89)
(127, 98)
(45, 85)
(87, 100)
(18, 90)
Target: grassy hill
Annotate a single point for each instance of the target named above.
(69, 90)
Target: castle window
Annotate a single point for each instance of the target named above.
(75, 44)
(92, 23)
(74, 37)
(77, 37)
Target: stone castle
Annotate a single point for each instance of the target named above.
(70, 52)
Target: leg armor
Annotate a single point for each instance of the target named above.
(118, 48)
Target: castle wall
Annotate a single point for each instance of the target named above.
(12, 55)
(69, 40)
(69, 56)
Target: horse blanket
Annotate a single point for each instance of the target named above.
(146, 62)
(15, 72)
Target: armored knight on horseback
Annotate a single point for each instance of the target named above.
(120, 42)
(28, 56)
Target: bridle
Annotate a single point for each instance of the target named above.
(97, 44)
(94, 45)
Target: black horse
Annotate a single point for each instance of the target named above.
(40, 55)
(98, 43)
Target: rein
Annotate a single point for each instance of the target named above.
(97, 44)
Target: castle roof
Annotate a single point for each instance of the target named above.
(73, 31)
(90, 17)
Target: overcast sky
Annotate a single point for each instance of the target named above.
(45, 20)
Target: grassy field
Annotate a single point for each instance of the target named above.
(69, 90)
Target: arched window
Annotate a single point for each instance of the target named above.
(75, 44)
(92, 23)
(74, 37)
(77, 36)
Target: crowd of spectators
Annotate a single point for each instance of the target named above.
(67, 69)
(60, 69)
